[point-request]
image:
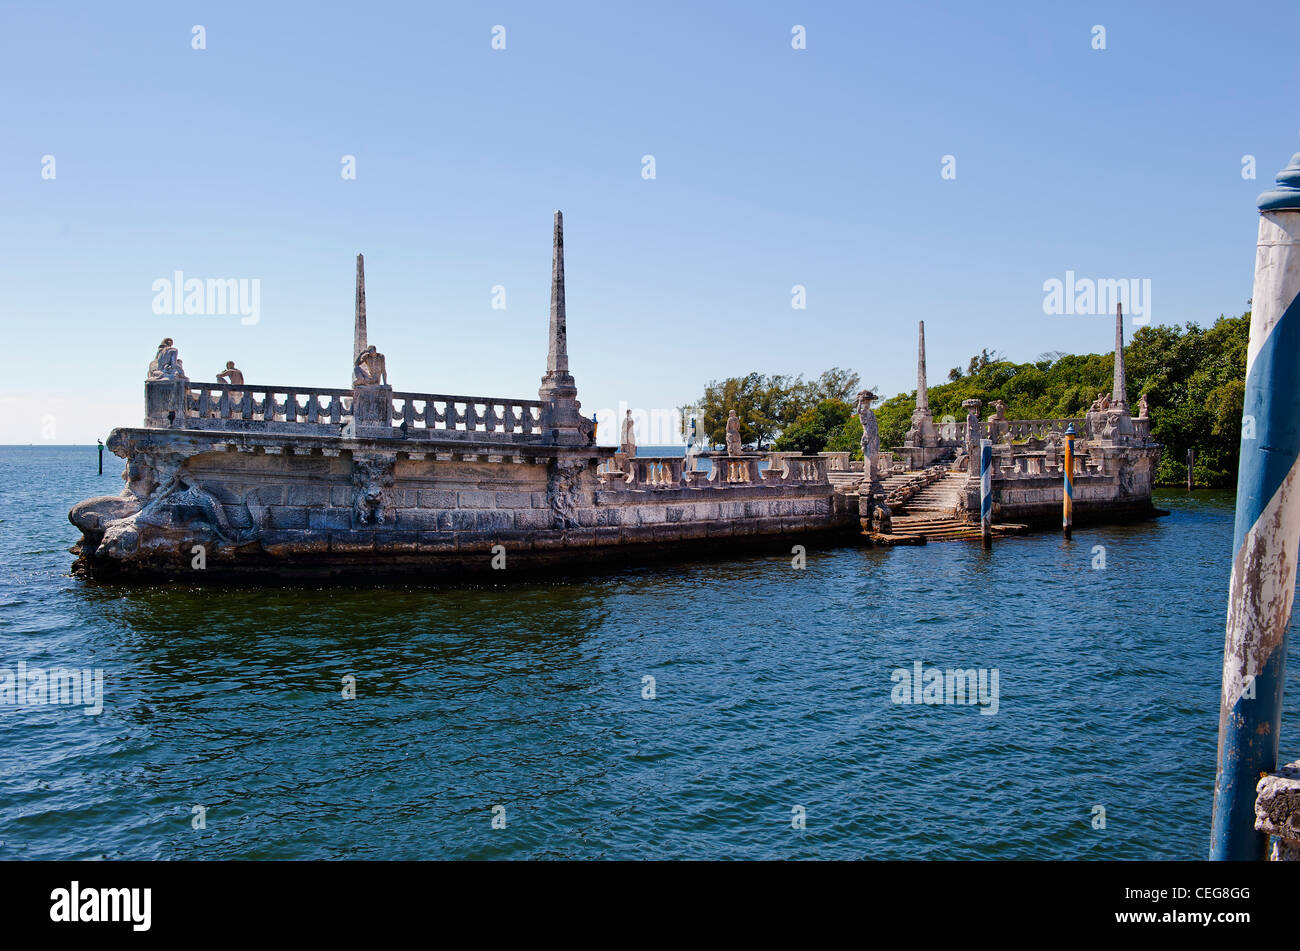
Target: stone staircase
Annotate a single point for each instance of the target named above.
(934, 511)
(843, 478)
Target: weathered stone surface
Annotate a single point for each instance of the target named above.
(1277, 809)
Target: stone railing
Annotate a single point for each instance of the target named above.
(437, 416)
(837, 461)
(207, 404)
(735, 470)
(797, 469)
(248, 406)
(655, 472)
(1021, 429)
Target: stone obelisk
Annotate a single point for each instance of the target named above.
(359, 328)
(371, 402)
(564, 423)
(922, 389)
(1119, 391)
(922, 437)
(1118, 426)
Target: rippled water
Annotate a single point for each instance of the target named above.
(772, 691)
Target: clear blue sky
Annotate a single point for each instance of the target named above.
(774, 167)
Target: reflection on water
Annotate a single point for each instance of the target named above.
(772, 689)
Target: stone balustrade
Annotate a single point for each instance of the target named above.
(837, 461)
(466, 417)
(803, 469)
(208, 405)
(735, 470)
(246, 406)
(655, 472)
(954, 434)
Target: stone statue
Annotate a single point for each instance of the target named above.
(370, 368)
(999, 410)
(627, 443)
(1142, 406)
(231, 374)
(973, 429)
(734, 447)
(870, 432)
(166, 363)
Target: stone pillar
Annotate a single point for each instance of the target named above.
(164, 402)
(372, 411)
(562, 421)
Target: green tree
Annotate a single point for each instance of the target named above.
(814, 427)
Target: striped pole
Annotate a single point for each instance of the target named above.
(986, 493)
(1262, 588)
(1067, 505)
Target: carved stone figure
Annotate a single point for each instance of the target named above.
(562, 483)
(627, 442)
(999, 410)
(734, 447)
(166, 364)
(370, 368)
(870, 431)
(371, 475)
(973, 428)
(1143, 408)
(882, 519)
(231, 374)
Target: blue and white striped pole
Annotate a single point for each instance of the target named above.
(986, 493)
(1262, 589)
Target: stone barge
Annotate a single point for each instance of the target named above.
(234, 479)
(237, 480)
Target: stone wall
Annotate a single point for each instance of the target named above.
(283, 504)
(1111, 483)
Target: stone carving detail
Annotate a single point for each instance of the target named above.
(369, 368)
(371, 475)
(1143, 408)
(563, 479)
(882, 519)
(166, 364)
(180, 514)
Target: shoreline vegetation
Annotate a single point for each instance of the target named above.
(1193, 377)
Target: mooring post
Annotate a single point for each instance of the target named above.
(101, 455)
(1191, 455)
(1067, 467)
(986, 493)
(1261, 592)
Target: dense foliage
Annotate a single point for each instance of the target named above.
(1193, 377)
(767, 405)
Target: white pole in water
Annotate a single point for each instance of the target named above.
(1261, 593)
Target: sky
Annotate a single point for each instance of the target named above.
(935, 161)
